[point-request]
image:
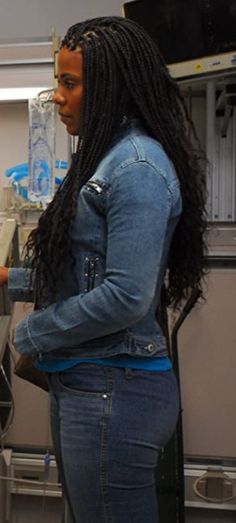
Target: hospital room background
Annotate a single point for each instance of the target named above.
(198, 484)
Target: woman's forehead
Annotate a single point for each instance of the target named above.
(70, 61)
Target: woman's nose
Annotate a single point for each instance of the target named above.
(58, 98)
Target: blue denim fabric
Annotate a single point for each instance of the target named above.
(127, 213)
(108, 427)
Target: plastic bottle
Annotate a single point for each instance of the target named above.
(41, 151)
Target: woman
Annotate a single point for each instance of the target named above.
(129, 213)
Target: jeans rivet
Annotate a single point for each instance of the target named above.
(150, 347)
(104, 396)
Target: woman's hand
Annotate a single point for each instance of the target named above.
(3, 276)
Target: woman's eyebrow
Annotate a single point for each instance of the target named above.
(64, 76)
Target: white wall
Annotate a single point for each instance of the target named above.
(34, 18)
(13, 136)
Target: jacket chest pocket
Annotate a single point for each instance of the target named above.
(90, 272)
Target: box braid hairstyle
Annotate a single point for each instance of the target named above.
(124, 75)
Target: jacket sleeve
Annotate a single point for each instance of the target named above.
(19, 285)
(138, 210)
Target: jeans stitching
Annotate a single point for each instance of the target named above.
(77, 392)
(104, 448)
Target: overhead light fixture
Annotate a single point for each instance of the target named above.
(20, 93)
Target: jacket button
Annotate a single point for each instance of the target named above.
(150, 347)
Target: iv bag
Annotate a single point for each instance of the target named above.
(41, 151)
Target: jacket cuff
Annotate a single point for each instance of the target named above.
(19, 284)
(23, 339)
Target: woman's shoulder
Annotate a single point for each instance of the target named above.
(135, 145)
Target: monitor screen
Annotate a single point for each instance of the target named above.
(187, 29)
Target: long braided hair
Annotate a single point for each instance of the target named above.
(124, 73)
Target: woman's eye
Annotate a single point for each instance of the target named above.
(69, 85)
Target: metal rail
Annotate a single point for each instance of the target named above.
(9, 255)
(9, 252)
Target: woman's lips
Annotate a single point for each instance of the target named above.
(65, 118)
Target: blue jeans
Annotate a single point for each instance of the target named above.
(108, 426)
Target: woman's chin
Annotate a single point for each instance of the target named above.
(72, 131)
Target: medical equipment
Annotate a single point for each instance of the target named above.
(18, 176)
(41, 151)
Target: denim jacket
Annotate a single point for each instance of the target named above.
(127, 213)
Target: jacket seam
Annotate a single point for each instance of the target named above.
(131, 161)
(30, 337)
(137, 150)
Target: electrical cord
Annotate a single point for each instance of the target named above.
(4, 432)
(12, 349)
(47, 461)
(30, 481)
(19, 481)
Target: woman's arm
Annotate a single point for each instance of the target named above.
(3, 276)
(18, 282)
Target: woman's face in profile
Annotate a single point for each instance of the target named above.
(69, 94)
